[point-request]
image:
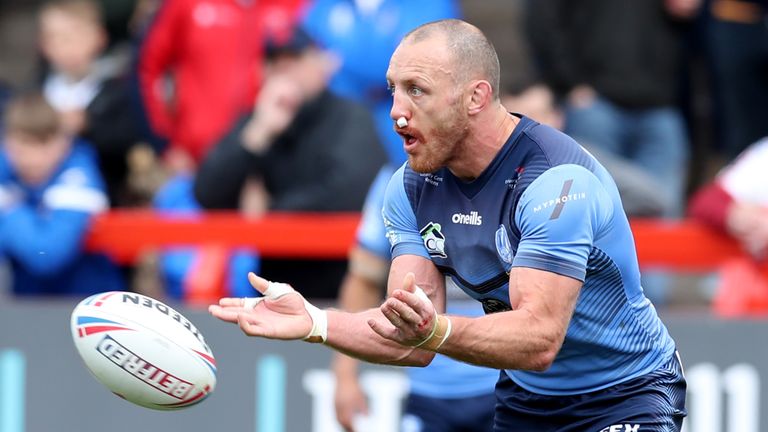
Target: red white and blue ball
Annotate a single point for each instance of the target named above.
(143, 350)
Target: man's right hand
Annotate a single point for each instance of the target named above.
(279, 100)
(280, 314)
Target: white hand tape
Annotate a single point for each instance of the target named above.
(275, 290)
(251, 302)
(422, 295)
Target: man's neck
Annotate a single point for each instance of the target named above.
(486, 138)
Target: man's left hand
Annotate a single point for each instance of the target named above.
(411, 313)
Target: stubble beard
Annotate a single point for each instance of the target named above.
(444, 144)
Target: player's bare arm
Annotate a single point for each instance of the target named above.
(528, 337)
(286, 315)
(400, 349)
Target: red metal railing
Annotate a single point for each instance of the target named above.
(680, 245)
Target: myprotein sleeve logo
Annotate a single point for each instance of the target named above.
(557, 204)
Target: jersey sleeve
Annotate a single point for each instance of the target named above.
(400, 220)
(559, 215)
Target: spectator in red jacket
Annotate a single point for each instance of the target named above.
(213, 51)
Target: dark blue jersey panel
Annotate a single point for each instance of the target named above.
(544, 203)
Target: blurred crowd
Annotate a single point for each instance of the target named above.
(282, 105)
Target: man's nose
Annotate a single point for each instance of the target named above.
(400, 108)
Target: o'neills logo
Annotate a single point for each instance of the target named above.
(467, 219)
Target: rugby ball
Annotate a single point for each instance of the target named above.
(143, 350)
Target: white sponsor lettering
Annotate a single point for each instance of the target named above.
(560, 200)
(142, 369)
(467, 219)
(622, 428)
(432, 179)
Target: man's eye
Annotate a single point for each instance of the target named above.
(391, 89)
(415, 91)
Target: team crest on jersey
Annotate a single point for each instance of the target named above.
(503, 245)
(434, 240)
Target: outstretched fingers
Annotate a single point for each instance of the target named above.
(248, 327)
(227, 314)
(229, 308)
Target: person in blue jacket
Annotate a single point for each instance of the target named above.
(364, 35)
(50, 189)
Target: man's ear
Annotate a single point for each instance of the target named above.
(481, 96)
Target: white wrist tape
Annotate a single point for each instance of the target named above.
(319, 332)
(275, 290)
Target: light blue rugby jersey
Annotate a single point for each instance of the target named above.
(543, 203)
(444, 378)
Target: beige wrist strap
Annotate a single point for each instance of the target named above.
(440, 333)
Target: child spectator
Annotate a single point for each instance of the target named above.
(50, 188)
(88, 90)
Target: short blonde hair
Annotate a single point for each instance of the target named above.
(473, 53)
(31, 114)
(86, 10)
